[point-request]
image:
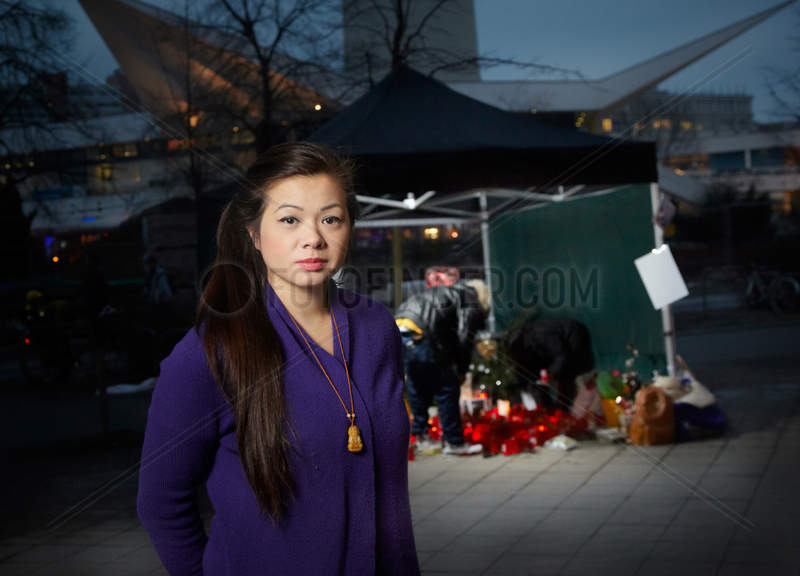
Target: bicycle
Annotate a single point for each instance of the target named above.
(769, 287)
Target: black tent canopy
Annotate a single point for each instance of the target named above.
(411, 133)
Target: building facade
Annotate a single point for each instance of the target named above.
(764, 160)
(666, 117)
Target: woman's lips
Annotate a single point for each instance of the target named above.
(312, 264)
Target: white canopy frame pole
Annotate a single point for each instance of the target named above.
(487, 258)
(667, 320)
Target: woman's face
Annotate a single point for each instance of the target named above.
(303, 233)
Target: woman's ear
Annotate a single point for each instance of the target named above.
(254, 237)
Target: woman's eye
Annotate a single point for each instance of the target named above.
(331, 220)
(288, 220)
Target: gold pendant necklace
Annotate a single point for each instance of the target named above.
(354, 443)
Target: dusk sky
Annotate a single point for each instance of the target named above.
(596, 39)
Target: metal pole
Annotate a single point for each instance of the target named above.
(100, 380)
(666, 312)
(487, 256)
(397, 264)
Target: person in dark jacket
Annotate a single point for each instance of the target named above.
(438, 329)
(561, 346)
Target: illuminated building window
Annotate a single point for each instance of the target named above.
(100, 176)
(607, 124)
(243, 137)
(186, 143)
(125, 150)
(686, 125)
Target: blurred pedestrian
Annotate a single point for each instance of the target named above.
(438, 328)
(93, 295)
(157, 290)
(157, 294)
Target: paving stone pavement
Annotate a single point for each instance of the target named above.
(721, 507)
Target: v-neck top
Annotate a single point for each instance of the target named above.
(351, 513)
(276, 306)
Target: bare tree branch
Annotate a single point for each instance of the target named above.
(784, 83)
(403, 29)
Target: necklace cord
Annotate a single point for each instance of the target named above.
(351, 414)
(341, 348)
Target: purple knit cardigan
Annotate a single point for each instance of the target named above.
(351, 515)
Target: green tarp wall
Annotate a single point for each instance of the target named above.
(575, 259)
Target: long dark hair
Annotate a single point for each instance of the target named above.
(241, 344)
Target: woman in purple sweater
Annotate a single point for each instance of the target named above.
(286, 399)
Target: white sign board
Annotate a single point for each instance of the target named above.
(661, 277)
